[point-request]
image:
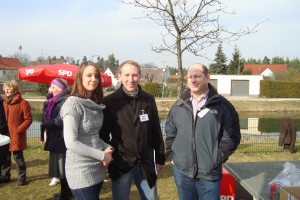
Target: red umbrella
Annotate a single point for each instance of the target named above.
(46, 73)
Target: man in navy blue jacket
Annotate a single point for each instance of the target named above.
(202, 132)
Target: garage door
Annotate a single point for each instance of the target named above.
(239, 88)
(214, 82)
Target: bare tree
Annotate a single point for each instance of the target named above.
(190, 25)
(23, 58)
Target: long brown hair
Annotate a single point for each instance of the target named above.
(78, 88)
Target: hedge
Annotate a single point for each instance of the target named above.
(279, 89)
(155, 89)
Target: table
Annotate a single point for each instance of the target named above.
(255, 176)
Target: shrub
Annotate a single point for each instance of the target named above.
(154, 89)
(279, 89)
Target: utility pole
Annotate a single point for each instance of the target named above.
(42, 50)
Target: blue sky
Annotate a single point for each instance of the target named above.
(80, 28)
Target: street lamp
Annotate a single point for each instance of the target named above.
(93, 57)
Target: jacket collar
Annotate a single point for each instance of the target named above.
(62, 96)
(15, 100)
(119, 93)
(212, 95)
(141, 105)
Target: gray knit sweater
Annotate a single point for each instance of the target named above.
(83, 119)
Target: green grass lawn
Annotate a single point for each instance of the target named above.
(37, 175)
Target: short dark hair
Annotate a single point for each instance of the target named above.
(204, 68)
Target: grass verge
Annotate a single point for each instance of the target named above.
(37, 175)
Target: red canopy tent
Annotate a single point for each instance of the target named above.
(46, 73)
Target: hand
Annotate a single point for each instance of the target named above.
(159, 168)
(43, 143)
(172, 162)
(107, 156)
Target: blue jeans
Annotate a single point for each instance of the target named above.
(192, 189)
(88, 193)
(121, 186)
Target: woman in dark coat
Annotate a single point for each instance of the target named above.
(53, 125)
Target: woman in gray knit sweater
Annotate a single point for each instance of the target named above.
(87, 155)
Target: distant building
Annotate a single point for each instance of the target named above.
(8, 70)
(156, 75)
(9, 66)
(237, 85)
(112, 72)
(265, 70)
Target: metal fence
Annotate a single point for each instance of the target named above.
(258, 134)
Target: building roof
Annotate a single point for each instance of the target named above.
(113, 71)
(10, 63)
(257, 69)
(175, 77)
(157, 75)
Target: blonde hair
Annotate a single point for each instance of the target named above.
(130, 62)
(13, 85)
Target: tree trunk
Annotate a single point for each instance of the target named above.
(179, 63)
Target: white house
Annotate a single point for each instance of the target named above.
(237, 85)
(112, 72)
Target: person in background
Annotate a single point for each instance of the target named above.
(5, 156)
(131, 125)
(19, 118)
(87, 154)
(53, 125)
(202, 132)
(49, 95)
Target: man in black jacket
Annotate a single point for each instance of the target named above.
(131, 125)
(202, 132)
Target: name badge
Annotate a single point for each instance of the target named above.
(203, 112)
(144, 117)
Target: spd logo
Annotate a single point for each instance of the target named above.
(64, 73)
(228, 197)
(29, 71)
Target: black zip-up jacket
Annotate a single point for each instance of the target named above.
(133, 141)
(55, 140)
(198, 147)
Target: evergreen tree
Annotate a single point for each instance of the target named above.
(112, 61)
(266, 61)
(278, 60)
(219, 67)
(236, 62)
(259, 61)
(100, 63)
(251, 61)
(84, 59)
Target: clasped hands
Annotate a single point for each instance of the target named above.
(107, 156)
